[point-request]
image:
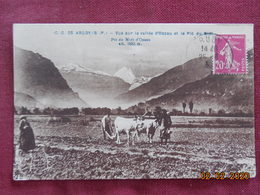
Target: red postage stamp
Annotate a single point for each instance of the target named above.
(230, 54)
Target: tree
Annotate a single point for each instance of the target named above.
(221, 112)
(141, 104)
(119, 110)
(25, 110)
(96, 111)
(47, 110)
(70, 111)
(36, 111)
(176, 112)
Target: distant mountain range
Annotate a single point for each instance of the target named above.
(169, 81)
(38, 83)
(37, 78)
(126, 74)
(76, 67)
(96, 88)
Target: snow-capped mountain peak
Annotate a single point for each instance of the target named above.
(139, 81)
(125, 74)
(76, 67)
(73, 67)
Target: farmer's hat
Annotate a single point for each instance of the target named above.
(22, 117)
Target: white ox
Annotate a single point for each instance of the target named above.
(127, 125)
(148, 126)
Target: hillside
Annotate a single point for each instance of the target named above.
(95, 88)
(38, 77)
(228, 92)
(169, 81)
(25, 100)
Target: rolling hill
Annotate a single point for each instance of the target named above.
(38, 77)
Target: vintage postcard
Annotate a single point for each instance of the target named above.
(133, 101)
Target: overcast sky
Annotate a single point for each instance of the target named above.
(99, 53)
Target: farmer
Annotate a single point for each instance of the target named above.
(158, 117)
(26, 139)
(166, 124)
(191, 106)
(107, 126)
(183, 106)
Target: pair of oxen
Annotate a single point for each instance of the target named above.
(134, 127)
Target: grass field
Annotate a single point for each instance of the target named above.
(75, 151)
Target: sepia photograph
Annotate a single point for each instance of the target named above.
(133, 101)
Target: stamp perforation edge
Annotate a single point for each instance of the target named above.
(229, 73)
